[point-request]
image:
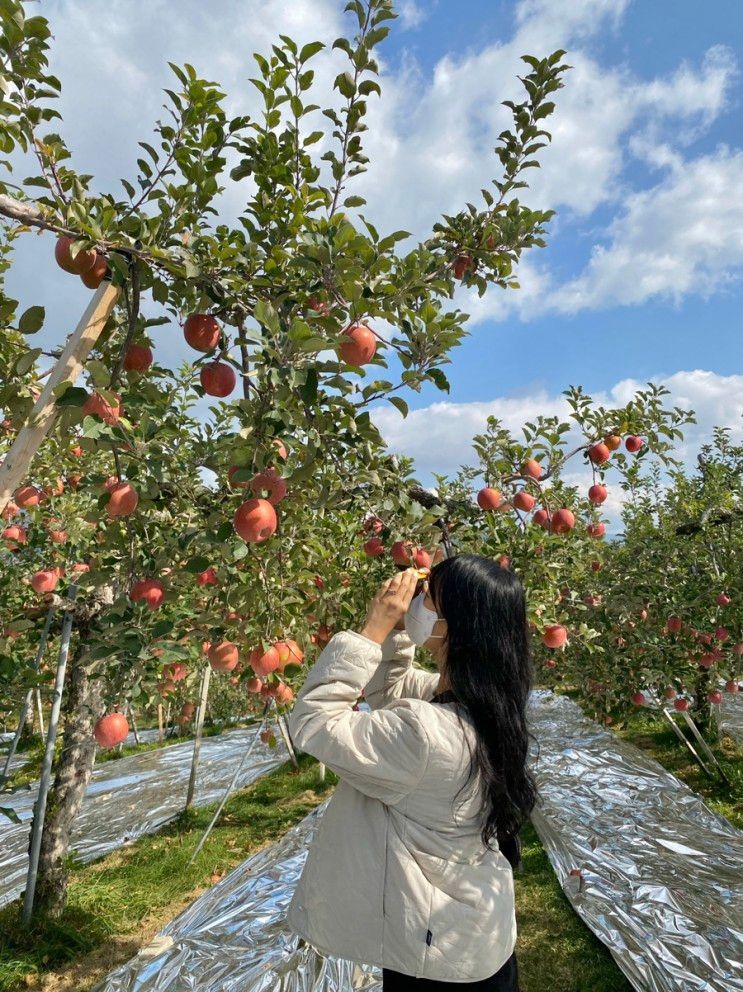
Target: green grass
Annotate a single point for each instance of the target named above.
(118, 903)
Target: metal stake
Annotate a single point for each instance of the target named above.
(677, 731)
(200, 713)
(287, 740)
(133, 722)
(705, 747)
(233, 781)
(46, 768)
(27, 703)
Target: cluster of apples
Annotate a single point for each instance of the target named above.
(255, 520)
(560, 521)
(90, 265)
(218, 378)
(402, 552)
(225, 657)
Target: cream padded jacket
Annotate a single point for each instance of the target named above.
(397, 876)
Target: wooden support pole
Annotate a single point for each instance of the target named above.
(160, 726)
(39, 713)
(200, 714)
(15, 468)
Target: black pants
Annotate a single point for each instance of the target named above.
(506, 979)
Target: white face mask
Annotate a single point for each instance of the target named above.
(420, 621)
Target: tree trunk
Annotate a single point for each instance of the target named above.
(701, 712)
(82, 708)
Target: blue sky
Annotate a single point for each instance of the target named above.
(641, 277)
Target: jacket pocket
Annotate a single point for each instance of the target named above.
(457, 906)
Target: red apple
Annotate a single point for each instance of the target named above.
(562, 521)
(633, 443)
(289, 652)
(599, 453)
(27, 496)
(612, 442)
(217, 379)
(138, 358)
(401, 552)
(82, 262)
(532, 468)
(175, 671)
(421, 558)
(523, 501)
(488, 498)
(264, 662)
(123, 500)
(682, 705)
(638, 698)
(670, 692)
(111, 730)
(597, 494)
(96, 273)
(270, 481)
(255, 521)
(44, 581)
(722, 598)
(732, 686)
(223, 657)
(361, 346)
(207, 578)
(374, 547)
(462, 264)
(715, 697)
(554, 636)
(150, 591)
(201, 331)
(542, 519)
(284, 694)
(254, 685)
(97, 406)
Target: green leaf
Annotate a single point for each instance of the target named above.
(26, 362)
(265, 314)
(308, 391)
(400, 403)
(344, 82)
(198, 564)
(354, 201)
(72, 396)
(438, 377)
(32, 320)
(310, 49)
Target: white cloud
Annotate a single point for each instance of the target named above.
(683, 236)
(439, 437)
(412, 13)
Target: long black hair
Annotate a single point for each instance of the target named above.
(488, 668)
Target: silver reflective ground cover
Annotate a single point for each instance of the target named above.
(660, 883)
(661, 875)
(134, 795)
(234, 937)
(730, 715)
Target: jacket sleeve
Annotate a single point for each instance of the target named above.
(395, 677)
(383, 753)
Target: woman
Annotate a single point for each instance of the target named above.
(405, 871)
